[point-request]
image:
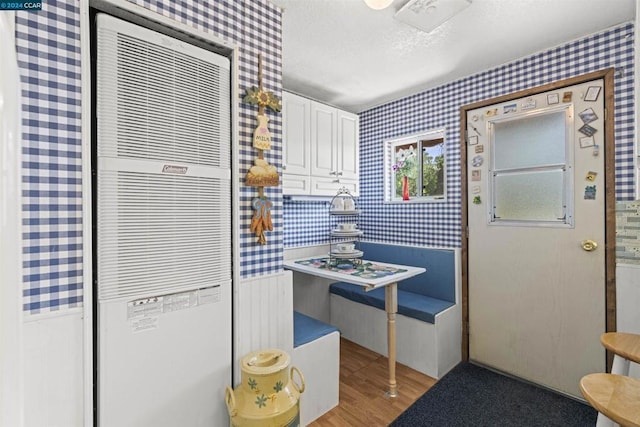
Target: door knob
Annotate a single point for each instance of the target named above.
(589, 245)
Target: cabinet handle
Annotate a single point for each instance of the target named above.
(336, 181)
(284, 167)
(333, 173)
(339, 173)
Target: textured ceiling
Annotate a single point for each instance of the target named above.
(345, 54)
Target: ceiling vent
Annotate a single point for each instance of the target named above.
(426, 15)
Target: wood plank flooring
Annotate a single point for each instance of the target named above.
(363, 382)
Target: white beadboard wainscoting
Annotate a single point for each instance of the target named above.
(263, 315)
(53, 369)
(628, 303)
(53, 348)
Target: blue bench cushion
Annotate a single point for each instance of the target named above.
(410, 304)
(307, 329)
(439, 279)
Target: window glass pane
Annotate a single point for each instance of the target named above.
(529, 196)
(530, 141)
(418, 160)
(433, 167)
(405, 165)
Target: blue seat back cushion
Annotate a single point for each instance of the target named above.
(409, 304)
(437, 282)
(307, 329)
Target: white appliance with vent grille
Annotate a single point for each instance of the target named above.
(163, 218)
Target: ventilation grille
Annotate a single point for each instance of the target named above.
(163, 145)
(164, 105)
(161, 233)
(427, 15)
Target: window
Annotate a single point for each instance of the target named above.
(531, 169)
(415, 168)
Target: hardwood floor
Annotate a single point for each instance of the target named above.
(363, 382)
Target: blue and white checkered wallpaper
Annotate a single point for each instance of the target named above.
(48, 48)
(438, 224)
(49, 55)
(306, 223)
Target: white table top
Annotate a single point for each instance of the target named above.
(368, 283)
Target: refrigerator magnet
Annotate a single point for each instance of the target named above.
(587, 141)
(587, 130)
(528, 104)
(511, 108)
(590, 192)
(588, 115)
(592, 93)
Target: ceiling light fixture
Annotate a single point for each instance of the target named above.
(378, 4)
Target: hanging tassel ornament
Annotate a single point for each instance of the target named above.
(261, 174)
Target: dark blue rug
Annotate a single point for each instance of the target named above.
(473, 396)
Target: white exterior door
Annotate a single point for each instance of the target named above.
(536, 202)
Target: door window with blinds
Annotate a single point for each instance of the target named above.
(531, 172)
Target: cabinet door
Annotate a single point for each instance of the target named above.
(348, 148)
(296, 184)
(296, 134)
(330, 186)
(323, 140)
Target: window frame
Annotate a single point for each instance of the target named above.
(389, 174)
(568, 188)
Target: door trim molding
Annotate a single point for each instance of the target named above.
(12, 316)
(607, 75)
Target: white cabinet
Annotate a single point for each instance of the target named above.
(324, 140)
(320, 148)
(328, 186)
(296, 132)
(348, 152)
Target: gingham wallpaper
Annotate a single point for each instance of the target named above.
(306, 223)
(48, 46)
(438, 224)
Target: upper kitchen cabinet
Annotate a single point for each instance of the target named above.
(348, 158)
(320, 148)
(324, 140)
(296, 134)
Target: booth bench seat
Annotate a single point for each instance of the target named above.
(316, 353)
(429, 319)
(410, 304)
(307, 329)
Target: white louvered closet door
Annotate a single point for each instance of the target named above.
(164, 194)
(164, 236)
